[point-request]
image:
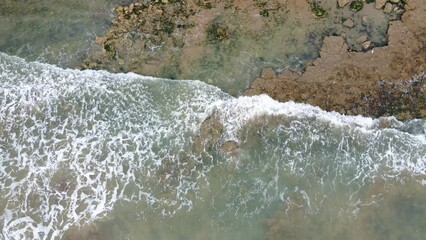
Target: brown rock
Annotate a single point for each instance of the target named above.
(362, 39)
(119, 10)
(210, 132)
(366, 44)
(348, 23)
(385, 122)
(388, 8)
(333, 45)
(268, 73)
(342, 3)
(288, 75)
(229, 147)
(365, 20)
(100, 40)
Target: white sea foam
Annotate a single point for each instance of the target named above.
(237, 112)
(301, 140)
(74, 143)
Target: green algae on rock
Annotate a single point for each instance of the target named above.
(317, 9)
(356, 5)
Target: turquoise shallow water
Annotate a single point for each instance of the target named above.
(116, 151)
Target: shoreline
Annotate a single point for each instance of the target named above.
(377, 81)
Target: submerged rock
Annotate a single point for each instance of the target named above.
(209, 138)
(229, 147)
(362, 39)
(216, 32)
(366, 44)
(342, 3)
(210, 131)
(89, 232)
(364, 20)
(333, 45)
(388, 8)
(348, 23)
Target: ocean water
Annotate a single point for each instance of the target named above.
(56, 32)
(95, 155)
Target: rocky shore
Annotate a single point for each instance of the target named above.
(383, 81)
(355, 71)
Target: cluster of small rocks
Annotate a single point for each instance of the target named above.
(363, 39)
(393, 8)
(388, 6)
(354, 5)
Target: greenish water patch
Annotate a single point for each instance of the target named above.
(57, 32)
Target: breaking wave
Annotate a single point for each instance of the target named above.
(75, 143)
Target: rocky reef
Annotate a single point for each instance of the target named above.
(383, 81)
(361, 67)
(171, 38)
